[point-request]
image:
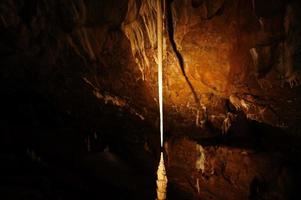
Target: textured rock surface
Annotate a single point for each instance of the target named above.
(71, 86)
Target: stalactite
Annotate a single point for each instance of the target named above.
(75, 47)
(160, 63)
(148, 14)
(86, 43)
(80, 14)
(161, 173)
(198, 185)
(139, 25)
(134, 33)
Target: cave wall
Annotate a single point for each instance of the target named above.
(232, 50)
(70, 69)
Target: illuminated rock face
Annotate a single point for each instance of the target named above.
(229, 50)
(216, 53)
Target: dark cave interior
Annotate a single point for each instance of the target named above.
(79, 103)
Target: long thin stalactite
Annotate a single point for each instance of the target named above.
(161, 173)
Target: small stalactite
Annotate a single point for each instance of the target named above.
(80, 15)
(139, 25)
(134, 33)
(148, 13)
(197, 185)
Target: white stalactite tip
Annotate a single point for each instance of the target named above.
(161, 180)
